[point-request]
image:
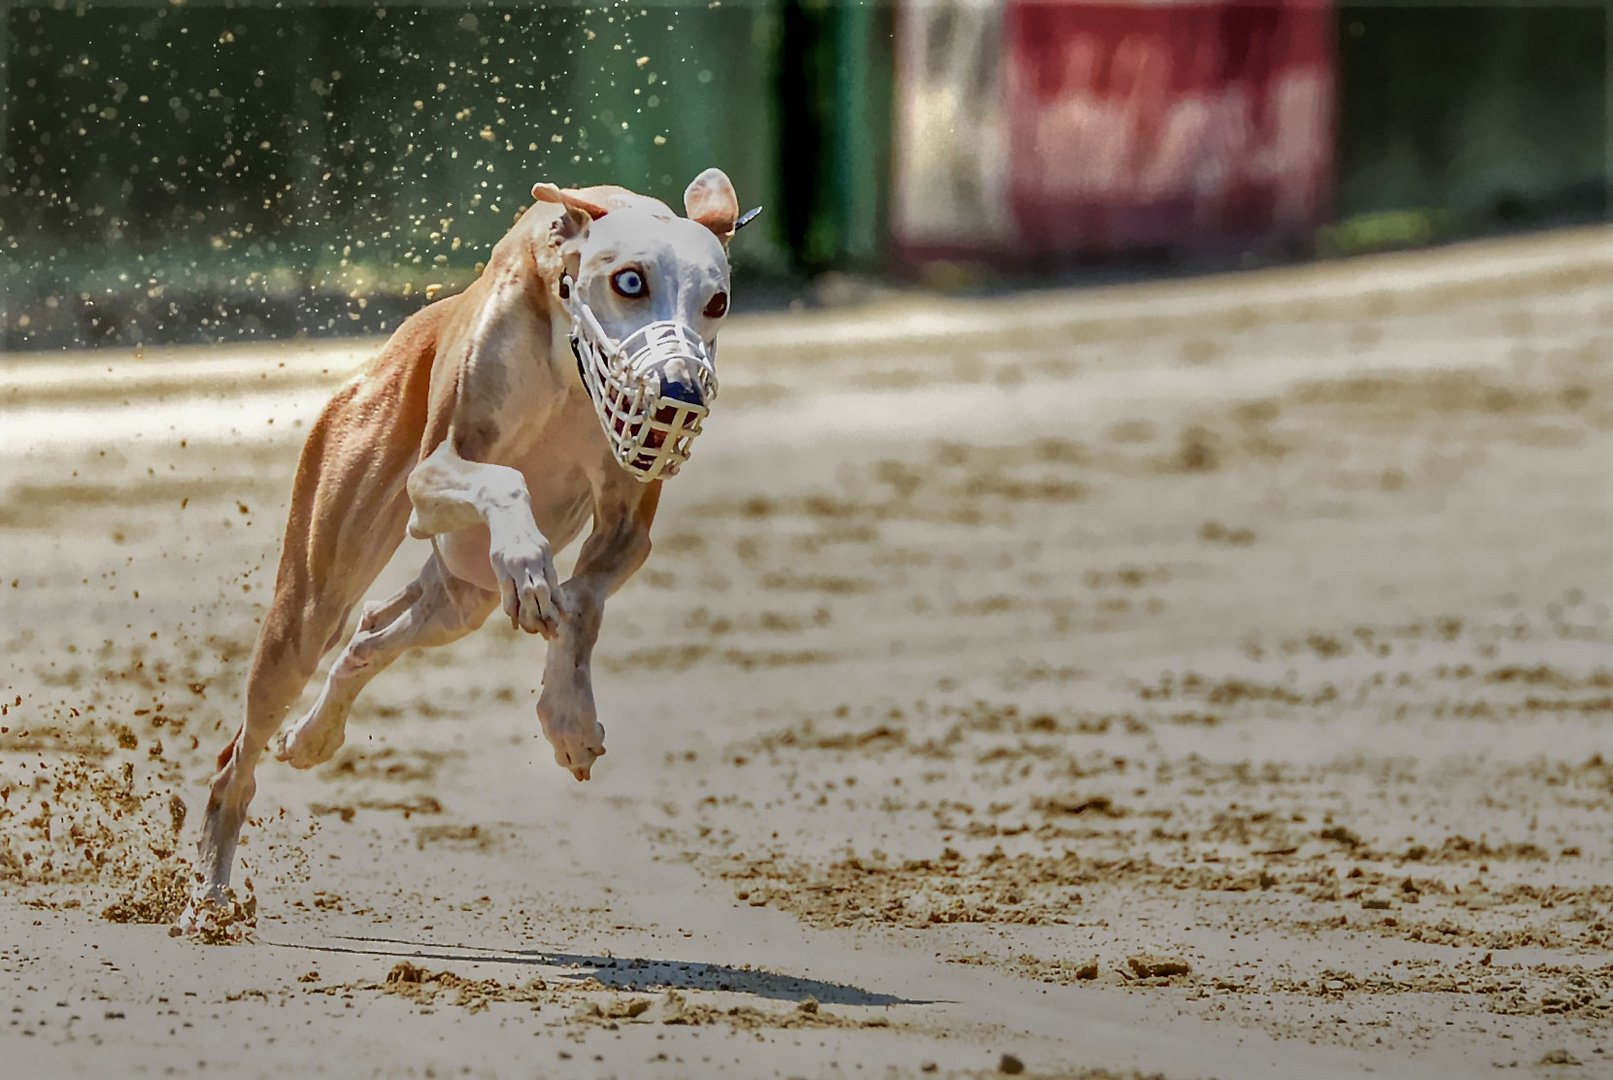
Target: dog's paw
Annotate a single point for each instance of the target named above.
(578, 753)
(578, 740)
(526, 580)
(218, 918)
(195, 920)
(309, 742)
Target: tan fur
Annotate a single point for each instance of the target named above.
(470, 428)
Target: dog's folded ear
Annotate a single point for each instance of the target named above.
(579, 211)
(710, 200)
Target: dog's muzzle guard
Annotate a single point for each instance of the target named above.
(650, 390)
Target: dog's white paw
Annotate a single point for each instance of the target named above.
(189, 920)
(218, 917)
(577, 751)
(311, 741)
(526, 580)
(577, 738)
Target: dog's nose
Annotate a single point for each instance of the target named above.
(679, 383)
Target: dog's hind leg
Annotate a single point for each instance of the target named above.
(434, 609)
(348, 511)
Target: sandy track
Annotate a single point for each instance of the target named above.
(1254, 626)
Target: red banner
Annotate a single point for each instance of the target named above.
(1184, 124)
(1168, 125)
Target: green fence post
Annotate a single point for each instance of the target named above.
(862, 128)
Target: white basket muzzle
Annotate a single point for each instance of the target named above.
(651, 390)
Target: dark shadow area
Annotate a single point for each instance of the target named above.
(639, 974)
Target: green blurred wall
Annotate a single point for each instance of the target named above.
(255, 153)
(1479, 116)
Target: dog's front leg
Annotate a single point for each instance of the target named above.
(450, 493)
(614, 550)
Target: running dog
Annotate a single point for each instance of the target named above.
(562, 387)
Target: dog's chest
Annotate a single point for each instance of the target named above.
(563, 459)
(560, 509)
(551, 435)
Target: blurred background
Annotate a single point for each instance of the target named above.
(200, 171)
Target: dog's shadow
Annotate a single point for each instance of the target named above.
(627, 973)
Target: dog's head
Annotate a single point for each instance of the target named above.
(646, 292)
(633, 261)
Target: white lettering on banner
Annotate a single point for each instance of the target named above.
(1135, 144)
(1302, 103)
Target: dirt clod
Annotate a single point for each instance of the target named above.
(1559, 1057)
(1146, 966)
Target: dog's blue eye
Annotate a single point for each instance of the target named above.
(630, 283)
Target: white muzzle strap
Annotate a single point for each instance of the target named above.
(650, 390)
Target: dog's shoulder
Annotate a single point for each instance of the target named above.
(528, 255)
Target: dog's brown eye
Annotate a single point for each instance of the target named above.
(718, 307)
(628, 283)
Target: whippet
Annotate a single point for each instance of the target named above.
(565, 384)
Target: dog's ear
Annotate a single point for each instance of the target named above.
(710, 200)
(579, 211)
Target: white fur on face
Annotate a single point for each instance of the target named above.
(682, 264)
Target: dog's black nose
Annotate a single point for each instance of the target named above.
(679, 384)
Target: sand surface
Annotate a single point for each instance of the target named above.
(1199, 679)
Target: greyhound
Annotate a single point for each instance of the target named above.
(565, 384)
